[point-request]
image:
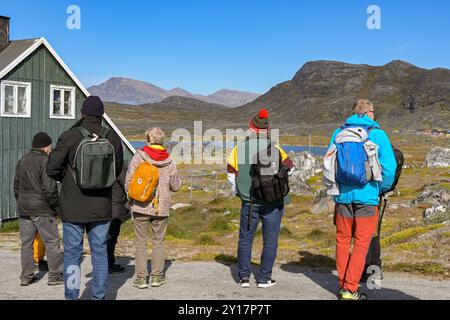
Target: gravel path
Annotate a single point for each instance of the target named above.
(213, 280)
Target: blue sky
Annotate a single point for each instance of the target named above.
(206, 45)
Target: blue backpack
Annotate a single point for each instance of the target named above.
(352, 162)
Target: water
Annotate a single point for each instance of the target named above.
(317, 151)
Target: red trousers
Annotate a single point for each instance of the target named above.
(360, 223)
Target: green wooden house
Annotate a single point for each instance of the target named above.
(38, 92)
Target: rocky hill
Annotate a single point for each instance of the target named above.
(324, 91)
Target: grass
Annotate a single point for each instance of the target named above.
(10, 226)
(408, 233)
(206, 239)
(424, 267)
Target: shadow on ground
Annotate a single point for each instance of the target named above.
(319, 269)
(117, 281)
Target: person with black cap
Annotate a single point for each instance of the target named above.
(256, 203)
(37, 206)
(83, 210)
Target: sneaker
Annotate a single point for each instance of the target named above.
(158, 281)
(341, 292)
(365, 276)
(348, 295)
(140, 283)
(244, 283)
(266, 284)
(56, 282)
(116, 268)
(42, 265)
(25, 283)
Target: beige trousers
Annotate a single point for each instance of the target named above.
(142, 223)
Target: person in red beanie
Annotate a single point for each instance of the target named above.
(240, 175)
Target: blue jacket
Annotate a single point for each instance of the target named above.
(369, 194)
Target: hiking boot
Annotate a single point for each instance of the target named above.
(25, 283)
(42, 265)
(158, 281)
(116, 268)
(140, 283)
(266, 284)
(348, 295)
(244, 283)
(59, 280)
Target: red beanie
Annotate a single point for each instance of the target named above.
(260, 121)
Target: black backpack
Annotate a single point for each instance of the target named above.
(270, 179)
(94, 165)
(400, 160)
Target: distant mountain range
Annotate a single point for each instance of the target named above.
(320, 94)
(135, 92)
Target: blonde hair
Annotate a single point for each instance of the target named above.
(154, 136)
(362, 106)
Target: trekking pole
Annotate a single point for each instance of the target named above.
(384, 200)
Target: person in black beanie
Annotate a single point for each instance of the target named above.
(84, 210)
(37, 206)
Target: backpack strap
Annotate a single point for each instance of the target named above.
(84, 132)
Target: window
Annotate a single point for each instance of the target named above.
(15, 99)
(62, 102)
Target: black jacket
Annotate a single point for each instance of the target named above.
(119, 198)
(81, 206)
(36, 193)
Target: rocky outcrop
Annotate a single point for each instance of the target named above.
(438, 158)
(306, 166)
(437, 196)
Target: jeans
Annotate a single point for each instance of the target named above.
(73, 250)
(271, 222)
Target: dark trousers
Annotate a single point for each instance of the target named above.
(113, 234)
(374, 253)
(48, 229)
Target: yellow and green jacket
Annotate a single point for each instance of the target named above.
(239, 165)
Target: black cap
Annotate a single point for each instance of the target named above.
(41, 140)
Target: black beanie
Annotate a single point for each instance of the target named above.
(41, 140)
(93, 106)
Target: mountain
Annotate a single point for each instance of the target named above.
(405, 96)
(135, 92)
(171, 113)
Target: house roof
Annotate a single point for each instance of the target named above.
(18, 50)
(14, 50)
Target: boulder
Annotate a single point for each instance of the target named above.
(177, 206)
(437, 196)
(435, 211)
(306, 166)
(323, 203)
(438, 158)
(433, 194)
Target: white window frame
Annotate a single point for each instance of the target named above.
(72, 97)
(15, 85)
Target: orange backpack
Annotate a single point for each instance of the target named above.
(143, 185)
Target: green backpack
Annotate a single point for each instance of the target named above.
(94, 165)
